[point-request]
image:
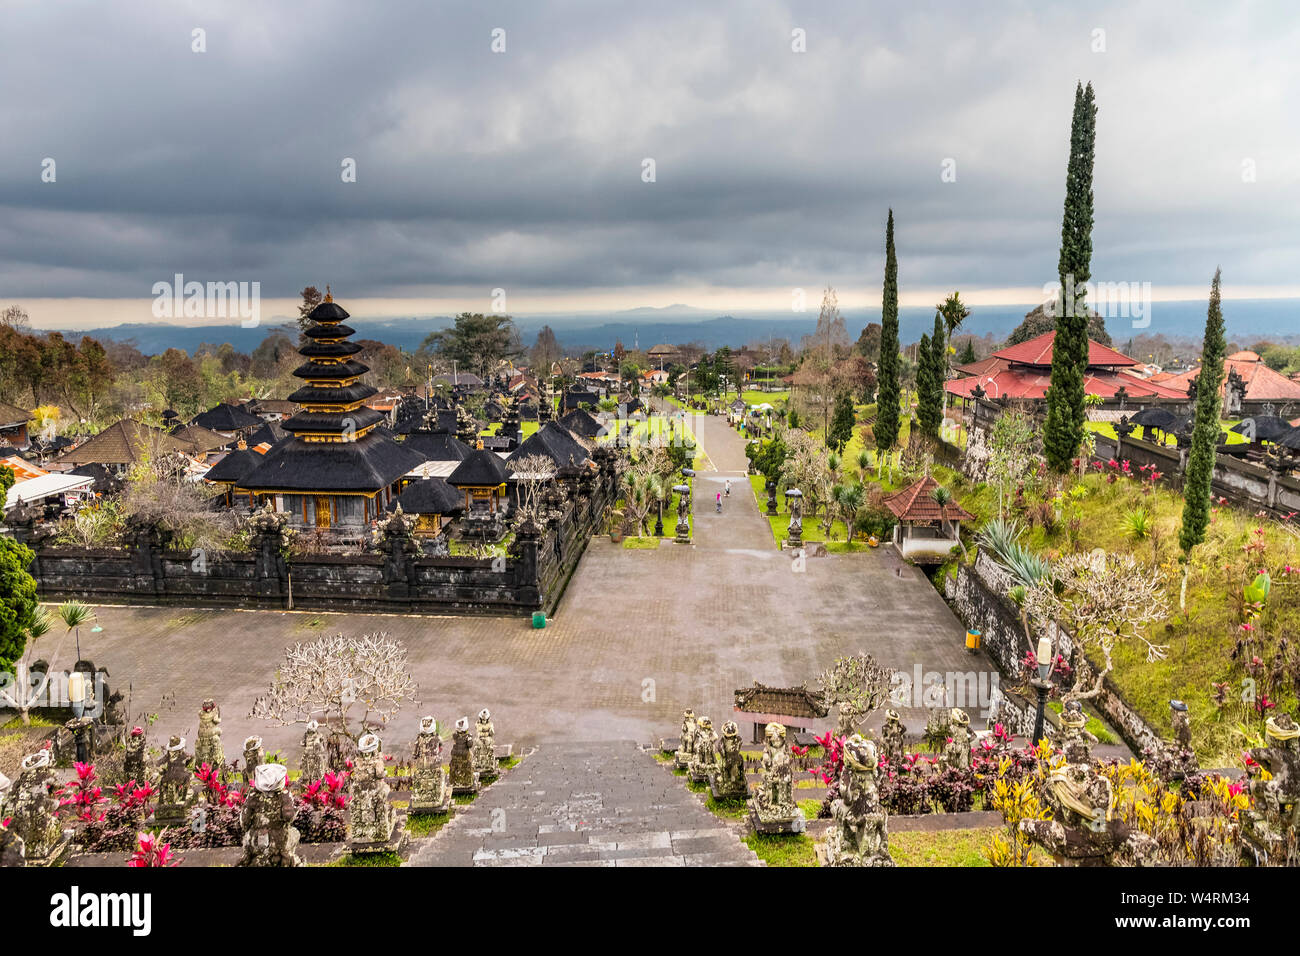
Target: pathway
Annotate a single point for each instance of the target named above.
(599, 804)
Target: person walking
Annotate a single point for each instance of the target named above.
(728, 487)
(719, 502)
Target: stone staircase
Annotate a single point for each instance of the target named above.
(599, 804)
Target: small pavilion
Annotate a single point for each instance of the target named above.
(794, 707)
(481, 480)
(926, 531)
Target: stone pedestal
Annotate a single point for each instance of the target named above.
(704, 760)
(485, 757)
(372, 820)
(727, 782)
(772, 808)
(464, 779)
(270, 839)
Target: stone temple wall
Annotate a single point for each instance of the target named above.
(978, 596)
(532, 578)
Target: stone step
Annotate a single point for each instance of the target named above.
(606, 804)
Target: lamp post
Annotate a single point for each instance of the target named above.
(1042, 685)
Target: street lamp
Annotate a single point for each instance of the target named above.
(1042, 685)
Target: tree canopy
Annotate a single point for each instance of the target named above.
(476, 342)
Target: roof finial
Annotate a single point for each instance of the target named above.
(328, 296)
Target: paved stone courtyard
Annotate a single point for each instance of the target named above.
(638, 636)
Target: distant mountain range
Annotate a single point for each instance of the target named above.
(1247, 321)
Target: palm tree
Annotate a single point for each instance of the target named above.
(41, 625)
(864, 464)
(849, 498)
(75, 614)
(943, 497)
(657, 490)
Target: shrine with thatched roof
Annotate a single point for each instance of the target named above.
(339, 470)
(929, 521)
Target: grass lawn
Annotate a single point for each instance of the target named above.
(795, 849)
(1108, 429)
(1200, 642)
(426, 824)
(642, 544)
(387, 858)
(941, 847)
(527, 427)
(780, 523)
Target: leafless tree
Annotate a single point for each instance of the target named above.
(1103, 599)
(857, 685)
(532, 474)
(15, 317)
(355, 683)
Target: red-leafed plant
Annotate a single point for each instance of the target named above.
(149, 851)
(320, 817)
(84, 795)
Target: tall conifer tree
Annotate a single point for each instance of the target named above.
(888, 392)
(1063, 433)
(1205, 432)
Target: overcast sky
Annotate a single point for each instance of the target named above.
(523, 170)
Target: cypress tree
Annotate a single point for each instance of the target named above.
(929, 380)
(888, 392)
(939, 369)
(841, 430)
(1205, 433)
(1066, 414)
(924, 383)
(968, 353)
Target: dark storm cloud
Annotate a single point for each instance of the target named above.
(523, 169)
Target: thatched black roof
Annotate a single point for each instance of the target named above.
(437, 446)
(555, 442)
(234, 466)
(583, 424)
(368, 464)
(576, 399)
(481, 467)
(429, 496)
(227, 418)
(105, 481)
(272, 433)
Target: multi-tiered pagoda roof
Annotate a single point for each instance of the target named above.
(336, 445)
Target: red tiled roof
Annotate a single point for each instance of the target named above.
(914, 503)
(1038, 351)
(23, 470)
(1262, 383)
(1019, 381)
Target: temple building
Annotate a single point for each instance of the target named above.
(337, 471)
(1024, 371)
